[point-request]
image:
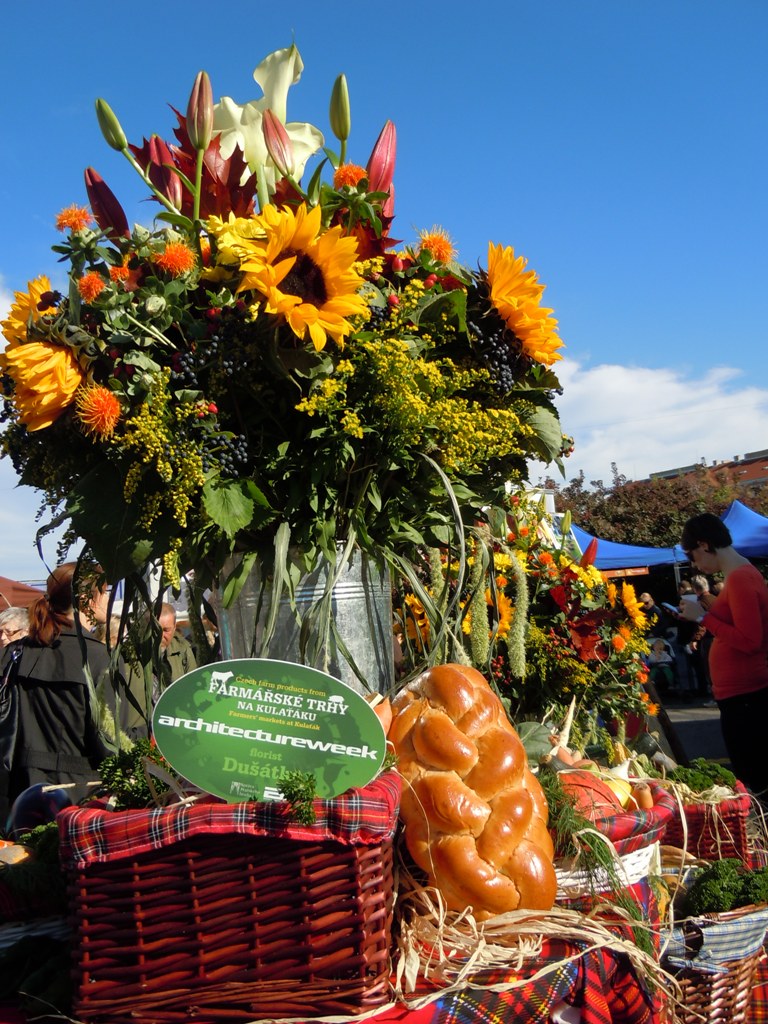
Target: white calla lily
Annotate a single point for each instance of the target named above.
(240, 125)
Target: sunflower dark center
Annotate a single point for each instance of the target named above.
(304, 279)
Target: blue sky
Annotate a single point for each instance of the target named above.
(620, 145)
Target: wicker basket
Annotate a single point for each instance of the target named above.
(232, 928)
(714, 831)
(714, 959)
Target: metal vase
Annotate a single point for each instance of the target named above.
(344, 630)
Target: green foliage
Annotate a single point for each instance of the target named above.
(299, 790)
(39, 879)
(124, 777)
(725, 885)
(701, 775)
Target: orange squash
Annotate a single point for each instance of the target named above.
(594, 799)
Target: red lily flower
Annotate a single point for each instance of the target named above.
(107, 211)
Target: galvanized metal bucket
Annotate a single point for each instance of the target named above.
(344, 629)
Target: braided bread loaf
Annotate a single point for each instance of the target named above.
(475, 817)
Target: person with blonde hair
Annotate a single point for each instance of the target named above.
(14, 624)
(53, 735)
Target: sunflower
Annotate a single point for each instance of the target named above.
(516, 295)
(632, 606)
(46, 377)
(305, 275)
(28, 304)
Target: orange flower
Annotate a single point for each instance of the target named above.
(90, 286)
(120, 273)
(545, 558)
(176, 259)
(98, 410)
(348, 174)
(73, 218)
(438, 244)
(618, 642)
(642, 677)
(652, 709)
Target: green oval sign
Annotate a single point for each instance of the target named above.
(236, 728)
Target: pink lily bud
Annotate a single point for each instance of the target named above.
(381, 163)
(107, 211)
(279, 145)
(200, 112)
(161, 172)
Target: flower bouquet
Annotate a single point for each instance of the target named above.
(264, 361)
(537, 617)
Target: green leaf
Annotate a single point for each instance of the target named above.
(229, 506)
(112, 528)
(535, 738)
(548, 441)
(452, 304)
(177, 219)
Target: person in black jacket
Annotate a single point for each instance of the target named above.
(52, 733)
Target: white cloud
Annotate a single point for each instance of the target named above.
(649, 420)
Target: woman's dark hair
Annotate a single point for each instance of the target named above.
(51, 613)
(708, 530)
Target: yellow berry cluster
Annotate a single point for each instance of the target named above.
(155, 439)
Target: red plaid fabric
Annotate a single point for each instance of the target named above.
(91, 835)
(631, 830)
(601, 984)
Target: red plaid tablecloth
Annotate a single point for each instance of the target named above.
(631, 830)
(92, 834)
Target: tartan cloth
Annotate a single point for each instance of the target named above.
(630, 830)
(640, 892)
(600, 983)
(95, 835)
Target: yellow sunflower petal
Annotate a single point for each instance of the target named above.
(516, 294)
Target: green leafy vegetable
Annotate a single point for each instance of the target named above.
(299, 790)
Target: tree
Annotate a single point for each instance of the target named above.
(652, 512)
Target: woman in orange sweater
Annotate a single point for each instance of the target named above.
(737, 618)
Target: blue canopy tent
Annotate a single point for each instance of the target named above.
(611, 555)
(748, 529)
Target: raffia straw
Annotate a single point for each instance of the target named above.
(757, 831)
(450, 950)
